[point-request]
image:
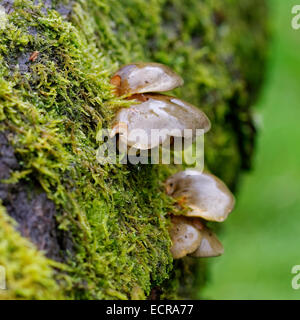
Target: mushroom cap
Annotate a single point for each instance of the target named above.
(185, 237)
(210, 245)
(145, 77)
(170, 116)
(206, 195)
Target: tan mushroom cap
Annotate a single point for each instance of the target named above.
(185, 237)
(210, 245)
(145, 77)
(205, 194)
(170, 116)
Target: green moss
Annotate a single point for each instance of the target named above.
(56, 104)
(28, 273)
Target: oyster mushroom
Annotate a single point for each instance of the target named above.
(145, 77)
(205, 194)
(155, 119)
(185, 237)
(210, 245)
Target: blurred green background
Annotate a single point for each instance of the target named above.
(262, 236)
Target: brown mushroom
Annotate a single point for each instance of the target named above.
(206, 195)
(145, 77)
(185, 236)
(210, 245)
(155, 119)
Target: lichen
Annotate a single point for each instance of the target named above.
(55, 105)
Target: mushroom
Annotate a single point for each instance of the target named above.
(206, 195)
(145, 77)
(185, 236)
(155, 119)
(210, 245)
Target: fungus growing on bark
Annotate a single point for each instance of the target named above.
(145, 77)
(185, 236)
(206, 195)
(150, 123)
(210, 245)
(155, 119)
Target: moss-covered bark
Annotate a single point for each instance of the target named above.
(100, 232)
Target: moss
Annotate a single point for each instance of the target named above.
(28, 273)
(56, 104)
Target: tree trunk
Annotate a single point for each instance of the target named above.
(91, 231)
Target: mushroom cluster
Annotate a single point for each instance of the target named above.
(154, 111)
(205, 196)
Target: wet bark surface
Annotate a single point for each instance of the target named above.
(30, 207)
